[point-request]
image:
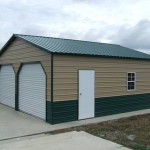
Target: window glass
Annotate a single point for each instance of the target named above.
(131, 81)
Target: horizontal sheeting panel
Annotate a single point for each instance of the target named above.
(64, 97)
(65, 86)
(106, 63)
(103, 68)
(17, 43)
(25, 51)
(20, 51)
(26, 59)
(107, 93)
(110, 76)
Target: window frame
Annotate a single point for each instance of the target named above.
(131, 81)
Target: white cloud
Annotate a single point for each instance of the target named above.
(136, 37)
(103, 21)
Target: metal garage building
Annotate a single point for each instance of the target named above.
(62, 80)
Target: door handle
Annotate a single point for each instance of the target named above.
(80, 93)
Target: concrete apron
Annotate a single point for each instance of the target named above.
(15, 124)
(66, 141)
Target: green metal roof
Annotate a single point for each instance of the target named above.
(67, 46)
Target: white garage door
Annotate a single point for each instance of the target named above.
(32, 90)
(7, 86)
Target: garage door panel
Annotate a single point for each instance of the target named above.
(7, 86)
(32, 90)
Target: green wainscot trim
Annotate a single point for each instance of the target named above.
(120, 104)
(65, 111)
(49, 112)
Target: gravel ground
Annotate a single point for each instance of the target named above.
(132, 132)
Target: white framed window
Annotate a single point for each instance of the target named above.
(131, 81)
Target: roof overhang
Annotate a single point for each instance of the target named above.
(13, 37)
(7, 44)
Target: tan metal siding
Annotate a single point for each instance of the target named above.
(20, 52)
(111, 76)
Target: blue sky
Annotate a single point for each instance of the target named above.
(124, 22)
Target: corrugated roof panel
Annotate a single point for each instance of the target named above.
(58, 45)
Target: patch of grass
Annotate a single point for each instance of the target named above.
(132, 132)
(139, 147)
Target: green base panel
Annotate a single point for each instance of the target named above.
(49, 112)
(66, 111)
(63, 111)
(120, 104)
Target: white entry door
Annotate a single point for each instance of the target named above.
(86, 94)
(7, 86)
(32, 90)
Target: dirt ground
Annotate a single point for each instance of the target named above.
(132, 132)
